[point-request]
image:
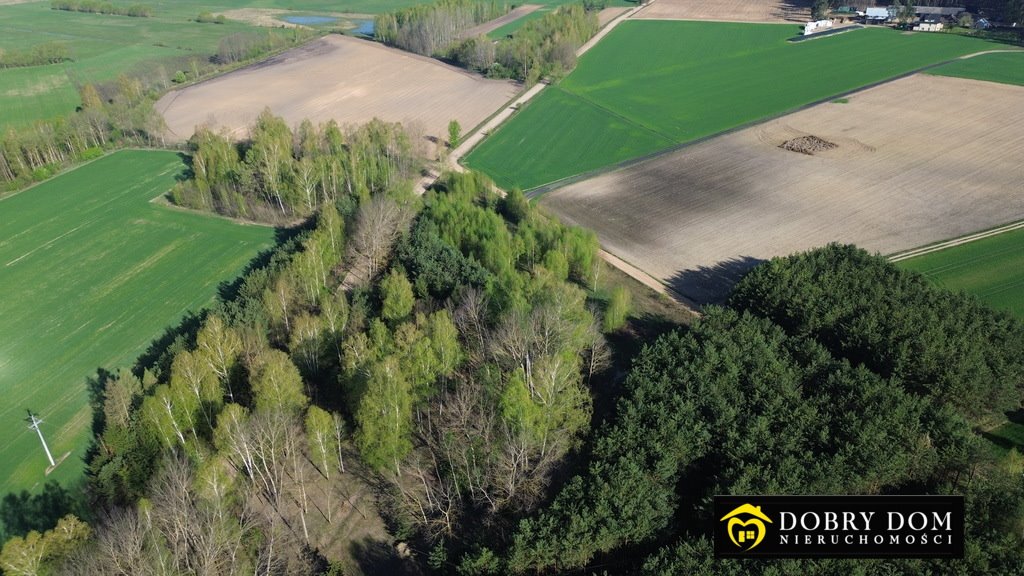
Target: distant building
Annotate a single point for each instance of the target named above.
(943, 11)
(929, 23)
(877, 15)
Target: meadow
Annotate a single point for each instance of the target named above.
(668, 83)
(92, 271)
(990, 268)
(1003, 67)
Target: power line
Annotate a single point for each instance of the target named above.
(34, 425)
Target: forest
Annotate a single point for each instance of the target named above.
(829, 372)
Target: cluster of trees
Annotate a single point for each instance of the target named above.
(243, 46)
(38, 55)
(543, 47)
(101, 7)
(833, 373)
(126, 117)
(513, 351)
(430, 29)
(277, 175)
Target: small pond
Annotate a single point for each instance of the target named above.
(363, 27)
(310, 20)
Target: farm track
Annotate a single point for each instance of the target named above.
(954, 242)
(491, 25)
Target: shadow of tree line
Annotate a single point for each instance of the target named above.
(706, 285)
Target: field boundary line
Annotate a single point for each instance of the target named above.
(538, 191)
(938, 246)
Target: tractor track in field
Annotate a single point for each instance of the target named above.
(955, 242)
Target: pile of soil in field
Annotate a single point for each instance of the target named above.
(807, 145)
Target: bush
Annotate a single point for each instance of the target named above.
(91, 153)
(179, 77)
(617, 310)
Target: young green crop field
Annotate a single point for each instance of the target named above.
(1004, 67)
(990, 268)
(91, 271)
(650, 85)
(104, 46)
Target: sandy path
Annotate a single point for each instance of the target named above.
(608, 14)
(512, 16)
(903, 175)
(955, 242)
(341, 78)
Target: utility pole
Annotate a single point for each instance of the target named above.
(34, 425)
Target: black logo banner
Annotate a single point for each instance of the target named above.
(839, 527)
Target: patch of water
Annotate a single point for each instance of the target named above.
(363, 27)
(310, 20)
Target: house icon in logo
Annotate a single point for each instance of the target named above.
(746, 533)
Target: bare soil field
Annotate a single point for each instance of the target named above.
(729, 10)
(915, 161)
(341, 78)
(512, 16)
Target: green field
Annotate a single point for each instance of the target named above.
(91, 271)
(674, 82)
(104, 46)
(1004, 67)
(991, 268)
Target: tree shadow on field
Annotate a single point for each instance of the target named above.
(712, 284)
(379, 557)
(188, 173)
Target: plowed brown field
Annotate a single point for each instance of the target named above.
(341, 78)
(729, 10)
(918, 160)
